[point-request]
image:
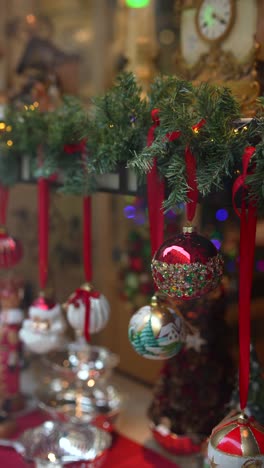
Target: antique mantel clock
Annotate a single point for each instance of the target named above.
(215, 19)
(217, 44)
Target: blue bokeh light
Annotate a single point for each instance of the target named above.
(217, 243)
(129, 211)
(221, 214)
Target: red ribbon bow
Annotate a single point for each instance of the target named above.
(85, 297)
(248, 222)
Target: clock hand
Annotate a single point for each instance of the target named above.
(219, 18)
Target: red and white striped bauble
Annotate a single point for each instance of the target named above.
(237, 442)
(83, 301)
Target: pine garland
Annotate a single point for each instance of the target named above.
(79, 144)
(118, 125)
(215, 146)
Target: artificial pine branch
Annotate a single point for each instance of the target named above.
(118, 124)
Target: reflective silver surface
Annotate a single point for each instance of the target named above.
(89, 362)
(67, 402)
(57, 444)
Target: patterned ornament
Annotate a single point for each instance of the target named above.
(187, 266)
(11, 250)
(87, 311)
(237, 442)
(156, 332)
(43, 331)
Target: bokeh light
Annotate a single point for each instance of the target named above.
(137, 3)
(221, 214)
(217, 243)
(129, 211)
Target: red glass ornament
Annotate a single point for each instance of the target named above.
(11, 250)
(187, 266)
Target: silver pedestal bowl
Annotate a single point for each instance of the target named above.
(82, 363)
(81, 405)
(55, 444)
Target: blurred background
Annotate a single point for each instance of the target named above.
(79, 46)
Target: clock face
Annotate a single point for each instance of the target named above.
(214, 19)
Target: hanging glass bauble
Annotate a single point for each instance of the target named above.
(187, 266)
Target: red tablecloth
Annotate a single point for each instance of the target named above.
(124, 453)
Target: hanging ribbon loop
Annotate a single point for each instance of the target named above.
(87, 238)
(192, 193)
(248, 222)
(240, 182)
(4, 196)
(43, 223)
(43, 230)
(156, 122)
(190, 164)
(155, 193)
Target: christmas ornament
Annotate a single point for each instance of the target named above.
(43, 331)
(237, 442)
(156, 332)
(187, 266)
(87, 311)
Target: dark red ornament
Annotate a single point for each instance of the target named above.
(11, 250)
(187, 266)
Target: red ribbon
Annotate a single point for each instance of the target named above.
(43, 223)
(248, 222)
(190, 163)
(87, 241)
(43, 229)
(155, 193)
(75, 147)
(4, 195)
(85, 297)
